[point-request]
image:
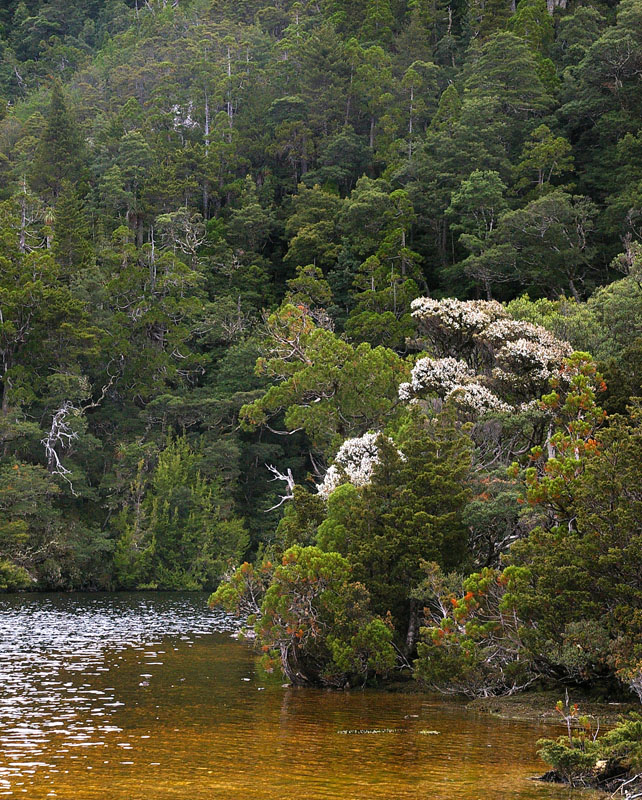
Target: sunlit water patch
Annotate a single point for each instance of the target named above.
(57, 655)
(147, 697)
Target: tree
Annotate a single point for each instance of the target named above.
(576, 33)
(310, 619)
(544, 157)
(487, 18)
(134, 162)
(400, 507)
(44, 327)
(577, 586)
(505, 68)
(60, 153)
(475, 209)
(322, 385)
(533, 23)
(374, 84)
(550, 481)
(378, 22)
(311, 228)
(177, 532)
(551, 241)
(448, 110)
(249, 225)
(42, 545)
(71, 246)
(471, 642)
(485, 362)
(153, 298)
(323, 78)
(419, 81)
(607, 75)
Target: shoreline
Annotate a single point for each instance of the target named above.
(539, 706)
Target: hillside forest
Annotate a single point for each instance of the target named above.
(333, 308)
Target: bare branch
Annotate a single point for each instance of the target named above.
(60, 434)
(288, 479)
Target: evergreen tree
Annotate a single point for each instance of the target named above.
(59, 156)
(72, 248)
(179, 533)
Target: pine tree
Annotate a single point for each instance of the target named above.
(59, 154)
(448, 111)
(71, 245)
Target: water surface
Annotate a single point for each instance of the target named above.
(147, 697)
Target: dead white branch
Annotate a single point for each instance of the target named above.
(288, 479)
(61, 435)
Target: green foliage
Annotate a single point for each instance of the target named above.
(573, 764)
(59, 153)
(575, 587)
(544, 157)
(190, 188)
(550, 483)
(40, 547)
(471, 642)
(582, 759)
(312, 621)
(409, 511)
(177, 532)
(328, 388)
(13, 578)
(300, 520)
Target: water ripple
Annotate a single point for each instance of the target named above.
(49, 642)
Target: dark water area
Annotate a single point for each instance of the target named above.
(147, 697)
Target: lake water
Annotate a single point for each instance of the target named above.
(147, 697)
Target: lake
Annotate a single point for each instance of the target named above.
(147, 696)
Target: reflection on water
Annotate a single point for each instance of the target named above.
(146, 697)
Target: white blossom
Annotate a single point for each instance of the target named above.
(331, 480)
(504, 330)
(457, 315)
(524, 348)
(439, 375)
(478, 399)
(355, 463)
(492, 363)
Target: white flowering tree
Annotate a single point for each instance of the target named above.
(482, 360)
(354, 463)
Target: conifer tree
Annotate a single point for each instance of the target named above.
(59, 154)
(71, 245)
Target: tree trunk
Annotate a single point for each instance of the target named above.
(5, 388)
(413, 627)
(206, 183)
(23, 218)
(574, 292)
(290, 670)
(152, 262)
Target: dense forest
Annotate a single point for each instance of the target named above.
(348, 292)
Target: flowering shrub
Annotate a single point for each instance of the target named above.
(488, 363)
(471, 642)
(476, 398)
(354, 463)
(444, 319)
(309, 618)
(434, 375)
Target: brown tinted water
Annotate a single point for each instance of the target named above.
(147, 697)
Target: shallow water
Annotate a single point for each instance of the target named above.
(147, 697)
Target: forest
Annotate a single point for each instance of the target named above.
(333, 309)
